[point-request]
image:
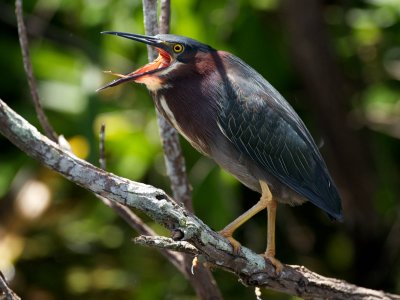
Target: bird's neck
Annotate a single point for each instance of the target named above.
(189, 110)
(190, 99)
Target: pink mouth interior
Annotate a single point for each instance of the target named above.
(161, 62)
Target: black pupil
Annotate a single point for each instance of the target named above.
(178, 48)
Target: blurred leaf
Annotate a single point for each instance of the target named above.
(340, 252)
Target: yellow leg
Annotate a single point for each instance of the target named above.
(271, 209)
(227, 232)
(266, 201)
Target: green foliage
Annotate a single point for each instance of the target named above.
(76, 248)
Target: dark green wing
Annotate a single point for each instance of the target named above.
(262, 125)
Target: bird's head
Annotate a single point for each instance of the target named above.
(176, 56)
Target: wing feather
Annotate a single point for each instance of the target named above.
(263, 126)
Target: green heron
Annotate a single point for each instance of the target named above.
(229, 112)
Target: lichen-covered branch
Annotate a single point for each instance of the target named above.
(162, 242)
(252, 269)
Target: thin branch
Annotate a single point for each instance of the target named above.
(8, 293)
(23, 40)
(165, 16)
(130, 217)
(102, 147)
(252, 269)
(150, 24)
(174, 160)
(161, 242)
(137, 224)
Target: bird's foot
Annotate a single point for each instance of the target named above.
(274, 261)
(235, 244)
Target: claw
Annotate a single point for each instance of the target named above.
(195, 263)
(234, 243)
(275, 262)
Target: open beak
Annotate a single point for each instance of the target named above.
(162, 62)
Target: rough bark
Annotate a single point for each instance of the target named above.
(6, 291)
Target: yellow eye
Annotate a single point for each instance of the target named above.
(178, 48)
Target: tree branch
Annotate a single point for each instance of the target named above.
(130, 217)
(162, 242)
(174, 160)
(252, 269)
(23, 40)
(202, 281)
(8, 293)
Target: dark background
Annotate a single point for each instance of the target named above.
(338, 64)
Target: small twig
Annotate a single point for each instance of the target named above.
(129, 216)
(137, 224)
(162, 242)
(102, 151)
(150, 24)
(174, 159)
(9, 293)
(23, 40)
(165, 15)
